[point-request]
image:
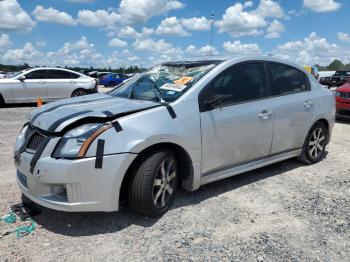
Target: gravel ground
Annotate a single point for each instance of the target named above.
(284, 212)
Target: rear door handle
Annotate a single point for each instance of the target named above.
(308, 104)
(42, 82)
(265, 114)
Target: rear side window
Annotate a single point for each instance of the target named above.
(241, 83)
(287, 80)
(61, 74)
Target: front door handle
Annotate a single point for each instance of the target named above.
(265, 114)
(308, 104)
(42, 82)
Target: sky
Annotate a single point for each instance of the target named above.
(111, 33)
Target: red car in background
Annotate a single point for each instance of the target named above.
(342, 96)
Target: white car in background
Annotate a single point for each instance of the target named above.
(2, 74)
(48, 83)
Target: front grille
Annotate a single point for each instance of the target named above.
(345, 95)
(35, 141)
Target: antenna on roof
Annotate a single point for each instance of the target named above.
(212, 18)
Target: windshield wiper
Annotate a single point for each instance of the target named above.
(157, 92)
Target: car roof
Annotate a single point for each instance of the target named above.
(207, 60)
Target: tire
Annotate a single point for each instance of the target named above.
(315, 144)
(153, 183)
(2, 101)
(79, 92)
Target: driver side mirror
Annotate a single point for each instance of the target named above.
(21, 78)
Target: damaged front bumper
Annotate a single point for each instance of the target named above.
(72, 185)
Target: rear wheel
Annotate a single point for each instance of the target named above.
(79, 92)
(315, 144)
(153, 183)
(2, 101)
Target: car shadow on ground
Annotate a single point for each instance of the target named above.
(19, 105)
(87, 224)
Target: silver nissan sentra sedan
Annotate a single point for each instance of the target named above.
(185, 123)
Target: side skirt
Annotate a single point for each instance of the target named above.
(238, 169)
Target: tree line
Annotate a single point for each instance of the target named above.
(336, 65)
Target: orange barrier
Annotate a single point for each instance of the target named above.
(39, 102)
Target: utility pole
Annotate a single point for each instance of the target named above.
(212, 16)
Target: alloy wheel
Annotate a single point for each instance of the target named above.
(164, 182)
(317, 143)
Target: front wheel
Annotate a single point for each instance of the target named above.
(153, 183)
(315, 144)
(79, 92)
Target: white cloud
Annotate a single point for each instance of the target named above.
(275, 29)
(160, 47)
(53, 15)
(128, 32)
(238, 48)
(171, 26)
(202, 51)
(133, 58)
(140, 11)
(147, 31)
(248, 4)
(23, 55)
(5, 42)
(344, 37)
(196, 23)
(116, 42)
(322, 5)
(40, 43)
(14, 18)
(97, 18)
(311, 50)
(269, 8)
(238, 22)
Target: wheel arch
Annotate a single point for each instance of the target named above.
(324, 121)
(184, 161)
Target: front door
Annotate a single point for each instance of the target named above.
(32, 87)
(236, 119)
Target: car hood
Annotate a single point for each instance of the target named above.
(344, 88)
(56, 116)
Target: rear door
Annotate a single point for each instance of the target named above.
(61, 83)
(236, 118)
(293, 106)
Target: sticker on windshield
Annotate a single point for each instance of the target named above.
(183, 80)
(173, 87)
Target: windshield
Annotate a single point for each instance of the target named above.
(15, 74)
(164, 83)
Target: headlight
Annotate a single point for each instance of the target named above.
(337, 94)
(23, 132)
(75, 143)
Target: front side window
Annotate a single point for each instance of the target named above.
(164, 83)
(286, 80)
(37, 74)
(241, 83)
